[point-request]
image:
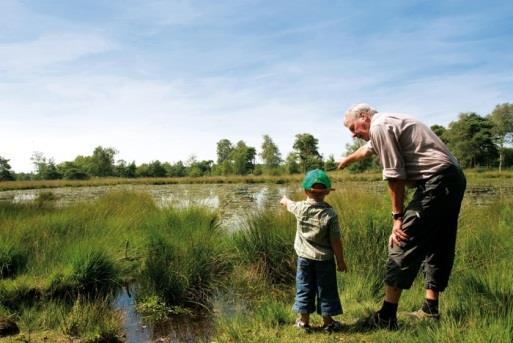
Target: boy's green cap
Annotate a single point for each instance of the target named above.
(316, 176)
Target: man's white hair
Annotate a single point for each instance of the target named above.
(354, 111)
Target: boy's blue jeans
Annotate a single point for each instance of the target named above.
(317, 279)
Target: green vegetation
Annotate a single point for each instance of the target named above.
(186, 256)
(62, 267)
(265, 243)
(6, 173)
(477, 307)
(478, 176)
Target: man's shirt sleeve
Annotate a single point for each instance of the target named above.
(386, 145)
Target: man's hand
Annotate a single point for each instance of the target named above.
(284, 201)
(342, 163)
(398, 235)
(341, 266)
(355, 156)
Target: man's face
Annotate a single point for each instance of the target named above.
(360, 126)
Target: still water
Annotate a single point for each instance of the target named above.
(232, 200)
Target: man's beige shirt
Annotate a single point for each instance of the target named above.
(407, 149)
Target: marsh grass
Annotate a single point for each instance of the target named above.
(70, 262)
(73, 259)
(48, 184)
(477, 306)
(475, 176)
(186, 257)
(91, 274)
(13, 259)
(265, 243)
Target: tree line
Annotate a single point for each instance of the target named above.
(477, 141)
(232, 159)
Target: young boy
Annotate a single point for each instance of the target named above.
(317, 242)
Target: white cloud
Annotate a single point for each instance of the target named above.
(49, 49)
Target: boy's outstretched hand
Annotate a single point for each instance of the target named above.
(284, 201)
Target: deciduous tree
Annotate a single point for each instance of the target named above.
(270, 154)
(224, 149)
(243, 158)
(502, 119)
(291, 163)
(362, 165)
(102, 161)
(306, 149)
(6, 173)
(470, 138)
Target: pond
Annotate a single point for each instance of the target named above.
(232, 200)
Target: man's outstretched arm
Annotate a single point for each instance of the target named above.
(355, 156)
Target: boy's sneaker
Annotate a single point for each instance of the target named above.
(375, 321)
(422, 315)
(334, 326)
(305, 327)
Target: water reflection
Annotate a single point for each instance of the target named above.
(175, 329)
(234, 201)
(135, 331)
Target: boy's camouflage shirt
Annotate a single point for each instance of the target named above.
(317, 222)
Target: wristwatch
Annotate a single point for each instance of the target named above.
(397, 215)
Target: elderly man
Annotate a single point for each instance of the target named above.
(423, 232)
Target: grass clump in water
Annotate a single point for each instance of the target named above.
(184, 260)
(90, 274)
(266, 243)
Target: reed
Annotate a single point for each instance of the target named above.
(265, 243)
(13, 259)
(185, 258)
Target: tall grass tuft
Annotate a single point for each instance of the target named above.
(161, 271)
(90, 274)
(266, 242)
(185, 258)
(82, 320)
(13, 259)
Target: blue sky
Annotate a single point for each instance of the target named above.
(168, 79)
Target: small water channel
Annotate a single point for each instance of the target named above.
(177, 329)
